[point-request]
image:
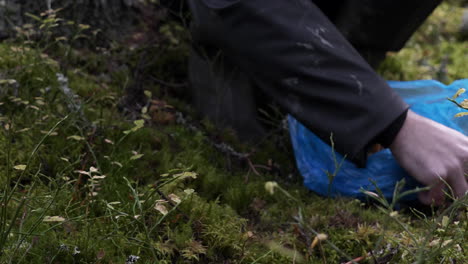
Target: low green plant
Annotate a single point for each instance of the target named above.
(83, 183)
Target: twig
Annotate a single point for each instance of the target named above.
(356, 260)
(262, 167)
(252, 167)
(171, 85)
(225, 148)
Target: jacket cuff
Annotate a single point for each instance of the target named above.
(387, 137)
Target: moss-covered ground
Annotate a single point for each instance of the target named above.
(83, 182)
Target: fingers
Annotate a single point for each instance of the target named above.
(435, 196)
(458, 184)
(461, 189)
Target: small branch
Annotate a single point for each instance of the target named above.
(356, 260)
(262, 167)
(171, 85)
(252, 167)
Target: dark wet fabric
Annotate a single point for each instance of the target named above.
(297, 56)
(216, 4)
(387, 137)
(370, 25)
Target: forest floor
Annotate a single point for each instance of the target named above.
(89, 177)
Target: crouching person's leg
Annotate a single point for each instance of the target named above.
(219, 89)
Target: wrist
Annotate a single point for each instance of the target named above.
(402, 133)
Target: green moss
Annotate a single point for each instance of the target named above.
(230, 217)
(433, 52)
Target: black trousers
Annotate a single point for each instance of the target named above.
(296, 54)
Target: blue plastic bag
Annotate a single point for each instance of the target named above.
(317, 160)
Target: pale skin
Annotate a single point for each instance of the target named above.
(433, 154)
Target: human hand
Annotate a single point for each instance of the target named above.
(432, 153)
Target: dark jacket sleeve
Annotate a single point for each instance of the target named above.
(297, 56)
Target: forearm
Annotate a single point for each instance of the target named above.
(301, 61)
